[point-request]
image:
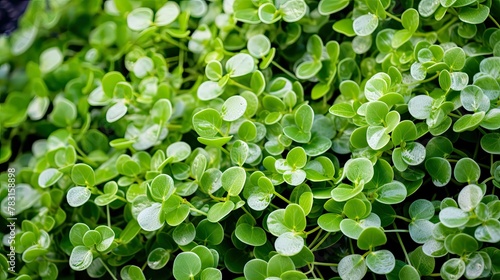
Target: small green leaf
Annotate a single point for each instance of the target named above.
(381, 262)
(186, 266)
(77, 196)
(293, 10)
(167, 14)
(289, 244)
(352, 267)
(491, 143)
(365, 25)
(466, 171)
(233, 108)
(49, 177)
(474, 15)
(80, 258)
(220, 210)
(140, 19)
(371, 237)
(248, 234)
(233, 180)
(158, 258)
(240, 65)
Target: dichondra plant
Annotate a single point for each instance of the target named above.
(251, 139)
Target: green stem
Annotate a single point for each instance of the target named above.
(402, 218)
(108, 216)
(234, 83)
(325, 264)
(393, 16)
(194, 209)
(494, 21)
(108, 270)
(460, 153)
(447, 25)
(313, 230)
(282, 197)
(316, 238)
(423, 81)
(320, 242)
(284, 70)
(402, 246)
(396, 230)
(487, 180)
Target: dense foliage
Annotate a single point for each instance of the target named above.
(260, 139)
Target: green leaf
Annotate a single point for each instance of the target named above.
(420, 106)
(77, 196)
(413, 153)
(474, 15)
(167, 14)
(326, 7)
(421, 209)
(422, 262)
(211, 273)
(211, 233)
(255, 269)
(453, 217)
(405, 131)
(473, 99)
(304, 117)
(140, 19)
(491, 143)
(158, 258)
(107, 236)
(178, 151)
(132, 272)
(207, 122)
(161, 111)
(49, 177)
(259, 45)
(453, 269)
(83, 174)
(240, 65)
(391, 193)
(408, 272)
(410, 19)
(233, 108)
(289, 244)
(233, 180)
(440, 170)
(469, 197)
(149, 218)
(294, 218)
(365, 25)
(162, 187)
(381, 262)
(488, 231)
(248, 234)
(293, 10)
(454, 58)
(77, 232)
(209, 90)
(50, 59)
(308, 69)
(279, 264)
(220, 210)
(358, 170)
(352, 267)
(371, 237)
(186, 266)
(355, 209)
(466, 171)
(80, 258)
(184, 234)
(330, 222)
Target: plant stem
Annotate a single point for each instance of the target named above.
(313, 230)
(393, 16)
(402, 246)
(396, 230)
(316, 237)
(282, 197)
(283, 69)
(325, 264)
(234, 83)
(402, 218)
(460, 153)
(487, 180)
(108, 216)
(320, 242)
(494, 21)
(423, 81)
(108, 270)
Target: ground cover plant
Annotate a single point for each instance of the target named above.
(251, 139)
